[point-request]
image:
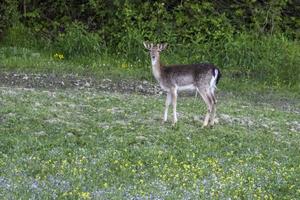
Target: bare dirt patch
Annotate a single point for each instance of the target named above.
(55, 81)
(64, 81)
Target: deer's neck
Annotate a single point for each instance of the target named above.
(156, 68)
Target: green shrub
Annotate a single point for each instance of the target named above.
(271, 59)
(248, 40)
(21, 36)
(77, 41)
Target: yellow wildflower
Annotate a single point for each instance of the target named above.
(85, 195)
(59, 56)
(124, 65)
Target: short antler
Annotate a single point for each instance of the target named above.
(161, 47)
(148, 46)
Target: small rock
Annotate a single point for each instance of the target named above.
(106, 80)
(276, 133)
(69, 134)
(226, 118)
(265, 126)
(25, 77)
(40, 133)
(196, 118)
(140, 137)
(87, 84)
(140, 87)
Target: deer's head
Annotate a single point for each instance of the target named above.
(154, 50)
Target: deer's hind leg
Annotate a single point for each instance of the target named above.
(209, 103)
(212, 120)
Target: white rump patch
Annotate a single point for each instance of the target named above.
(213, 82)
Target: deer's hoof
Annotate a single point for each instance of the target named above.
(214, 121)
(174, 123)
(204, 126)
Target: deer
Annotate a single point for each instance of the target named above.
(202, 78)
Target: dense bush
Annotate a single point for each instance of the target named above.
(255, 38)
(170, 20)
(76, 40)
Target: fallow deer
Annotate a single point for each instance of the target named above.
(200, 77)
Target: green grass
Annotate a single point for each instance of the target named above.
(20, 59)
(25, 60)
(270, 60)
(87, 144)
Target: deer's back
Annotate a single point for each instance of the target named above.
(182, 75)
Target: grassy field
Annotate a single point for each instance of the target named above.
(20, 59)
(90, 125)
(89, 144)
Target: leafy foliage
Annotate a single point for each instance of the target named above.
(244, 36)
(173, 20)
(76, 40)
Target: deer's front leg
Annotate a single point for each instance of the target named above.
(174, 102)
(168, 102)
